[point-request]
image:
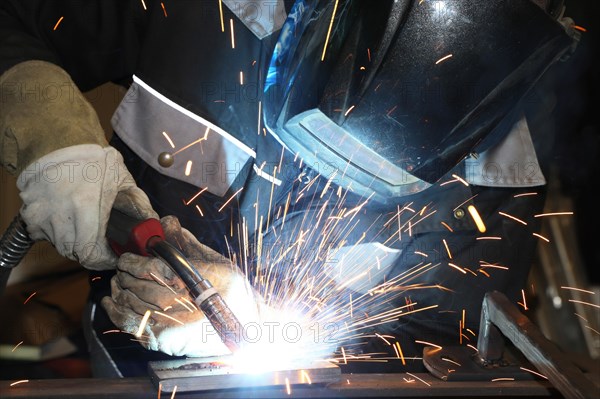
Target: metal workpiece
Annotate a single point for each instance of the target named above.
(219, 373)
(205, 296)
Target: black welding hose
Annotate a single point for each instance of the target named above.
(14, 245)
(201, 290)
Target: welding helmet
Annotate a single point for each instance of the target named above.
(395, 93)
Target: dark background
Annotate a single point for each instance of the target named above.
(576, 153)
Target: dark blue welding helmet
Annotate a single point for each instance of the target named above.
(395, 93)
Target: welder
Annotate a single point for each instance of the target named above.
(236, 110)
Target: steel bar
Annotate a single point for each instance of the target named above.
(541, 352)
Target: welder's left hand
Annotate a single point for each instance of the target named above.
(176, 326)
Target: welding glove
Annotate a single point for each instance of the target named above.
(69, 177)
(67, 198)
(176, 326)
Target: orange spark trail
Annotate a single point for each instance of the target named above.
(168, 317)
(578, 289)
(16, 346)
(30, 296)
(329, 30)
(58, 23)
(166, 136)
(143, 324)
(230, 199)
(18, 382)
(553, 214)
(513, 218)
(221, 15)
(443, 59)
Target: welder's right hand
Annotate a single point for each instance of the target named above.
(67, 198)
(176, 326)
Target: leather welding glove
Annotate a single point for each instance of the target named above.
(176, 326)
(68, 176)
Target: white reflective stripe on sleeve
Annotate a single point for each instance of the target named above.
(197, 118)
(204, 155)
(361, 267)
(510, 163)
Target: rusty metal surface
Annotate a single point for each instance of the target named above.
(350, 386)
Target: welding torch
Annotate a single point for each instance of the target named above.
(146, 238)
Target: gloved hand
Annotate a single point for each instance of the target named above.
(176, 326)
(67, 197)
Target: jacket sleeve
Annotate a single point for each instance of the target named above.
(50, 51)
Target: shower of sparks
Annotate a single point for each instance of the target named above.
(578, 289)
(58, 23)
(16, 346)
(29, 297)
(18, 382)
(329, 30)
(553, 214)
(443, 59)
(143, 323)
(232, 33)
(541, 237)
(477, 218)
(533, 372)
(221, 15)
(585, 303)
(513, 218)
(166, 135)
(164, 9)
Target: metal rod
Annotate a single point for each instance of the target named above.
(541, 352)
